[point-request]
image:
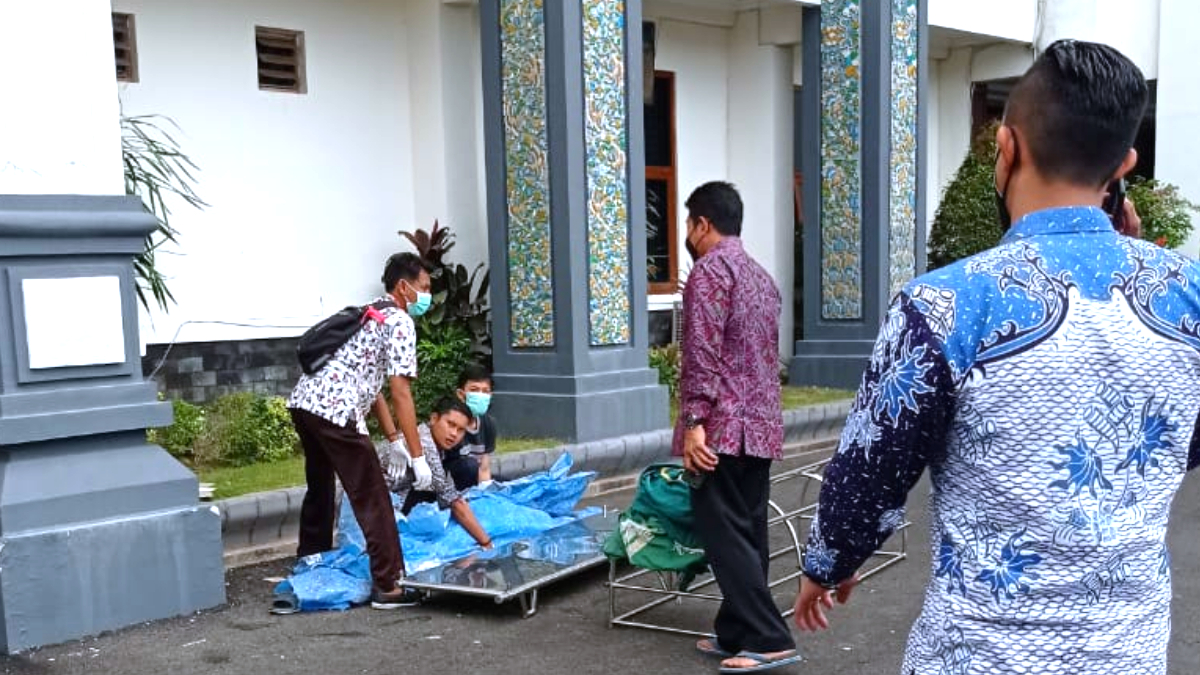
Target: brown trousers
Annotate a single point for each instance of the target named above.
(329, 450)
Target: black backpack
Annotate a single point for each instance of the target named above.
(321, 342)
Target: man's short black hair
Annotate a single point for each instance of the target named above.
(406, 266)
(1078, 107)
(449, 404)
(720, 203)
(474, 372)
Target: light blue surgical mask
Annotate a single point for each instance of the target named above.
(421, 304)
(478, 402)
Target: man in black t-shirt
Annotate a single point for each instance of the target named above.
(469, 462)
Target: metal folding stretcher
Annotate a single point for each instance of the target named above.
(793, 499)
(520, 569)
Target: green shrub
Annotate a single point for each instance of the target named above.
(1166, 215)
(666, 361)
(443, 349)
(967, 220)
(179, 438)
(245, 428)
(457, 299)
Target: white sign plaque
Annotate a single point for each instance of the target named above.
(73, 322)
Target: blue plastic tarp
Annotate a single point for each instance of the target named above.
(430, 538)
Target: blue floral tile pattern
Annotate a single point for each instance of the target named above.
(605, 133)
(841, 170)
(903, 195)
(530, 262)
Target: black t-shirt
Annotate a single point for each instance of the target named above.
(482, 441)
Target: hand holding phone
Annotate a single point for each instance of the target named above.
(1114, 205)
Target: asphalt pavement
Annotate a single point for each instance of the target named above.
(569, 633)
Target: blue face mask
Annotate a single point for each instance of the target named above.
(478, 402)
(421, 304)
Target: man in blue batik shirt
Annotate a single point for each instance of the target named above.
(1051, 385)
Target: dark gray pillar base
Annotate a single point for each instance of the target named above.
(66, 583)
(99, 533)
(830, 363)
(580, 408)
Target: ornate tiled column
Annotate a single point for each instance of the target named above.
(862, 137)
(568, 279)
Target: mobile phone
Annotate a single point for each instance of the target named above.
(1114, 204)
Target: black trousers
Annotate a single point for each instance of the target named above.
(417, 497)
(464, 471)
(730, 510)
(329, 450)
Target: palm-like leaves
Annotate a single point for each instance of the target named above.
(433, 245)
(157, 171)
(455, 297)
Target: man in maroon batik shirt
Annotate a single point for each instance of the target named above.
(731, 426)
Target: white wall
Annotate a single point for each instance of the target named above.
(760, 155)
(58, 129)
(933, 142)
(446, 103)
(466, 170)
(699, 57)
(306, 191)
(949, 128)
(1131, 26)
(733, 109)
(1008, 20)
(1178, 143)
(952, 74)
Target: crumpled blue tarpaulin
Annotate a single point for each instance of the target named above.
(509, 512)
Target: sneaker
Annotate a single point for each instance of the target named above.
(399, 596)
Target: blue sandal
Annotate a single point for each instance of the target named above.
(763, 662)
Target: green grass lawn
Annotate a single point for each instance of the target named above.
(232, 481)
(798, 397)
(240, 480)
(520, 444)
(794, 397)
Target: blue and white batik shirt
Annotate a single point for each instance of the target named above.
(1051, 385)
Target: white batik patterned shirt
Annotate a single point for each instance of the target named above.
(345, 388)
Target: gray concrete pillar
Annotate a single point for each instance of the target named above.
(566, 204)
(98, 529)
(864, 208)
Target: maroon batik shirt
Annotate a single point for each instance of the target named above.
(730, 377)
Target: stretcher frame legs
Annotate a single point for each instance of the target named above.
(662, 587)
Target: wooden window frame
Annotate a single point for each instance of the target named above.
(297, 39)
(129, 26)
(669, 175)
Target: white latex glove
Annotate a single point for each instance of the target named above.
(398, 461)
(422, 476)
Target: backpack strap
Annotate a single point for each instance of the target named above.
(372, 311)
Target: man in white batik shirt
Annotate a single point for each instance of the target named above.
(329, 409)
(1051, 385)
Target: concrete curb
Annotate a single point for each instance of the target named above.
(265, 525)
